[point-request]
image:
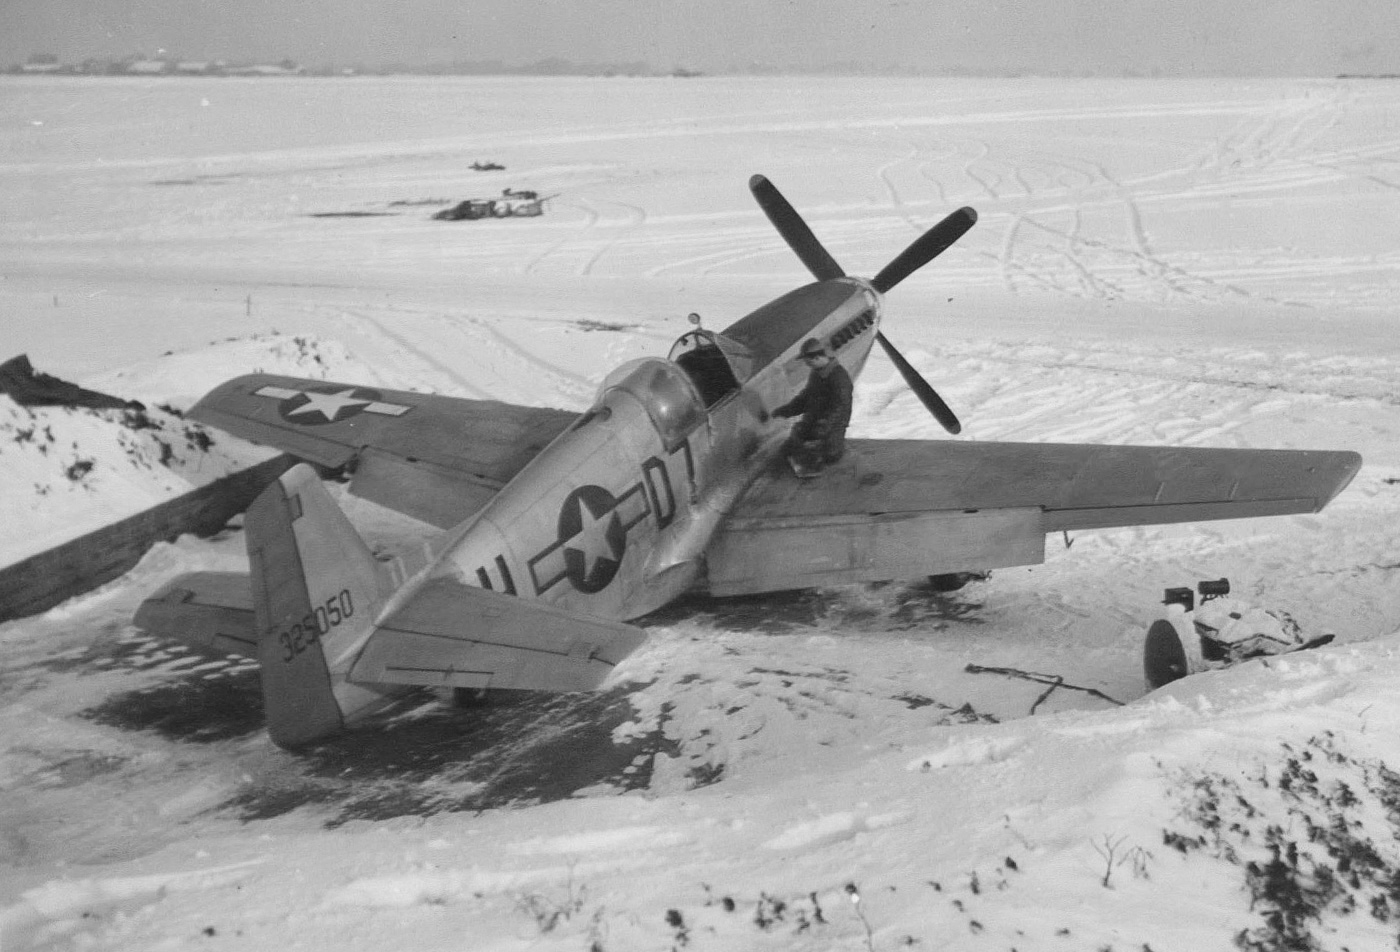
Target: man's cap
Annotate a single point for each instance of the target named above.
(812, 346)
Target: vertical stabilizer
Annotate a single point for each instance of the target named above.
(316, 591)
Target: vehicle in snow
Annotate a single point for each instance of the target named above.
(1217, 633)
(512, 203)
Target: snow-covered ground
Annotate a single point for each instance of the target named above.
(1193, 263)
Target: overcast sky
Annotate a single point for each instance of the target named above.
(1170, 37)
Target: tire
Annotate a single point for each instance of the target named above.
(955, 580)
(1163, 655)
(468, 697)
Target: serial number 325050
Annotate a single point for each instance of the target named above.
(316, 623)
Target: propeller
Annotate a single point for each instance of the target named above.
(794, 230)
(823, 266)
(925, 248)
(926, 394)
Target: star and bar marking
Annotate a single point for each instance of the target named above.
(316, 406)
(593, 528)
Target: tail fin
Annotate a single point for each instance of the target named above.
(316, 591)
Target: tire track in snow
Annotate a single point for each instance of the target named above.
(531, 366)
(760, 241)
(736, 245)
(989, 188)
(925, 166)
(1140, 260)
(1261, 153)
(1011, 268)
(1346, 380)
(437, 335)
(1339, 161)
(1153, 268)
(1020, 258)
(597, 232)
(896, 199)
(1264, 151)
(1015, 263)
(456, 382)
(1099, 393)
(636, 218)
(1092, 283)
(591, 218)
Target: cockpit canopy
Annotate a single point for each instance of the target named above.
(717, 364)
(664, 389)
(703, 369)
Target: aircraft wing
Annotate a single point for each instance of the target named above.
(453, 635)
(435, 458)
(906, 508)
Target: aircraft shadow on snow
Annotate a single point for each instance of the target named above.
(421, 757)
(894, 607)
(424, 757)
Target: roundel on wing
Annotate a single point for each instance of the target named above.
(592, 536)
(316, 406)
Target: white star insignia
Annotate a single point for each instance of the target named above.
(329, 405)
(593, 539)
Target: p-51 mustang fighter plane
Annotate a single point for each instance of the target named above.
(558, 527)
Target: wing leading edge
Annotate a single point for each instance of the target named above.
(906, 508)
(435, 458)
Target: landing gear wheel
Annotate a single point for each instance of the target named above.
(1163, 655)
(953, 581)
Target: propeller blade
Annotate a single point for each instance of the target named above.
(926, 394)
(925, 248)
(794, 230)
(823, 266)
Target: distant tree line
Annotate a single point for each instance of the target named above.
(138, 64)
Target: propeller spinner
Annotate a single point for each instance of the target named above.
(823, 266)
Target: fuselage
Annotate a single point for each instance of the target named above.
(613, 518)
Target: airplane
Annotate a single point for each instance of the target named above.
(558, 529)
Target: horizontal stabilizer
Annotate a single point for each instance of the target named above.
(454, 635)
(211, 612)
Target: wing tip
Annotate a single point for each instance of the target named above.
(1347, 465)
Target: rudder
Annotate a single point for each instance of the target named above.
(316, 589)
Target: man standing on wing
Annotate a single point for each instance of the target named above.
(819, 438)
